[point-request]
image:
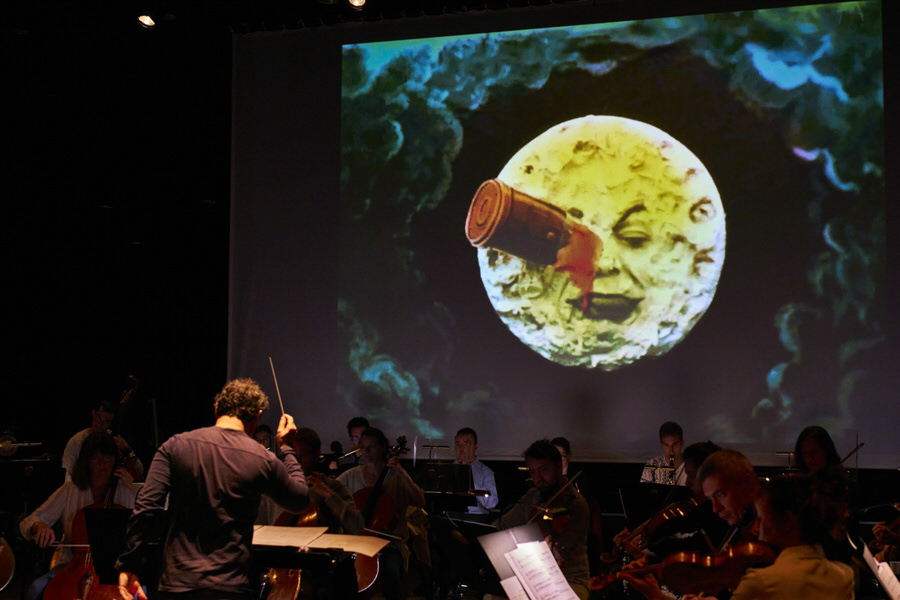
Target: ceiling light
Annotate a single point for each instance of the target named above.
(146, 21)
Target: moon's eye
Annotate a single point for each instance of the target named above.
(633, 238)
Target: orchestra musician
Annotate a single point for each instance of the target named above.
(729, 481)
(103, 415)
(383, 477)
(671, 440)
(815, 451)
(201, 498)
(795, 517)
(685, 526)
(466, 444)
(93, 472)
(332, 501)
(566, 533)
(565, 450)
(355, 428)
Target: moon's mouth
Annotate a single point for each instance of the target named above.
(605, 307)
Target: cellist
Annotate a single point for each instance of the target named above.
(328, 497)
(396, 492)
(92, 475)
(567, 533)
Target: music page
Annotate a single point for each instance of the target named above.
(538, 572)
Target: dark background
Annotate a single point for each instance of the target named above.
(116, 166)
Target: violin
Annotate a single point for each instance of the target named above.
(645, 530)
(554, 516)
(698, 573)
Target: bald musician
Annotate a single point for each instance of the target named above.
(568, 541)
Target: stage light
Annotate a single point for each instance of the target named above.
(357, 4)
(146, 21)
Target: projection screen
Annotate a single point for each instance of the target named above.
(681, 216)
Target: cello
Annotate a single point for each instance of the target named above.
(379, 511)
(78, 578)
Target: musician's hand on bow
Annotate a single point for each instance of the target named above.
(130, 587)
(43, 534)
(287, 429)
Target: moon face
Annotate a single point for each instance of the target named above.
(644, 212)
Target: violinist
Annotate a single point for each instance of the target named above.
(689, 525)
(92, 476)
(815, 451)
(103, 414)
(381, 475)
(795, 517)
(729, 481)
(567, 532)
(201, 498)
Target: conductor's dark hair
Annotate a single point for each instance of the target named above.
(670, 428)
(543, 450)
(468, 431)
(821, 437)
(241, 398)
(99, 441)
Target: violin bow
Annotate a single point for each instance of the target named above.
(277, 391)
(852, 452)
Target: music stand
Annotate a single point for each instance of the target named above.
(447, 484)
(106, 535)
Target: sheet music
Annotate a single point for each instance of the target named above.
(883, 573)
(298, 537)
(368, 545)
(539, 573)
(514, 589)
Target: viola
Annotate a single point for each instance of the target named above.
(698, 573)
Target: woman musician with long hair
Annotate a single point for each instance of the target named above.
(94, 479)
